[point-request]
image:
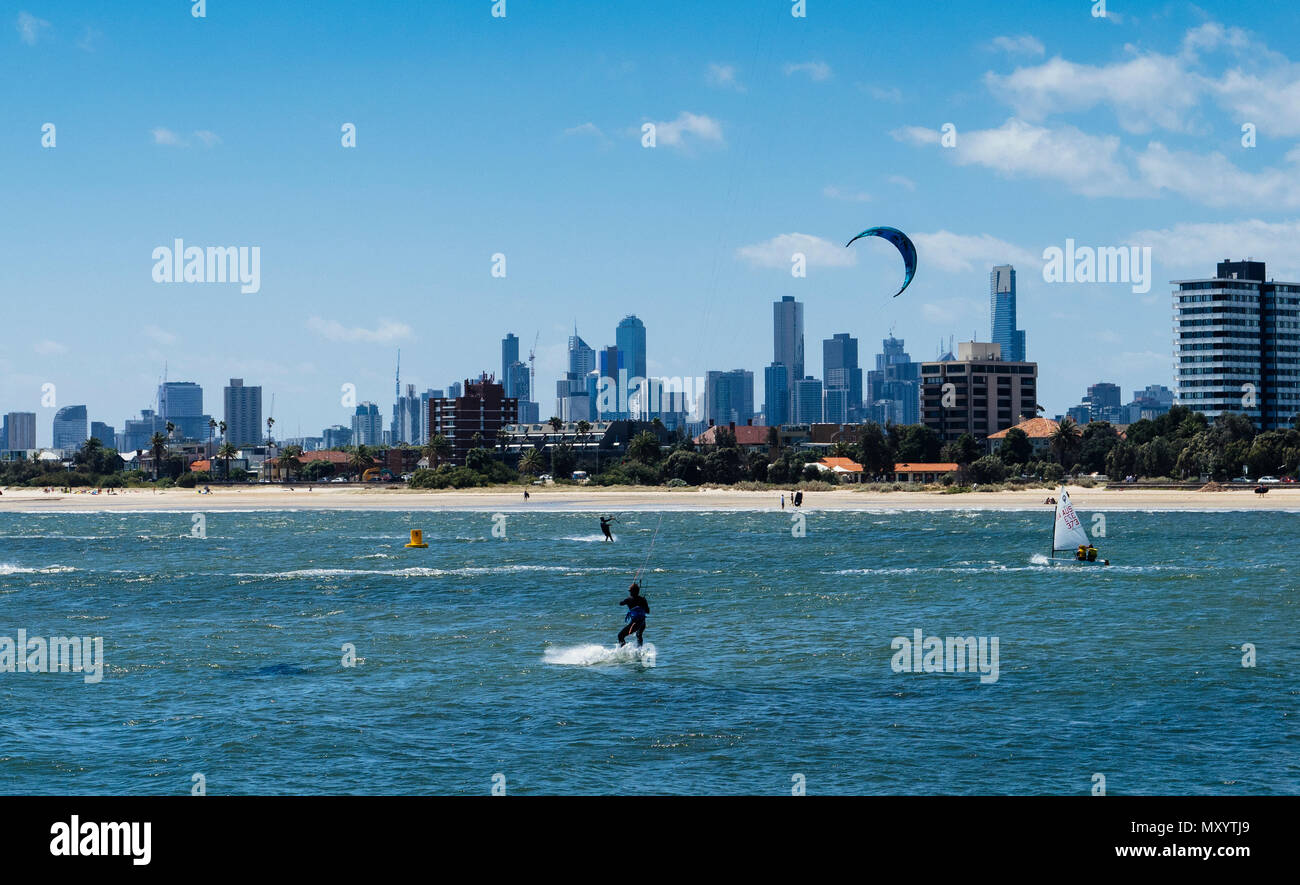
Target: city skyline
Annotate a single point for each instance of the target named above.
(718, 207)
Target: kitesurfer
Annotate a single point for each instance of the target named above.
(637, 608)
(605, 522)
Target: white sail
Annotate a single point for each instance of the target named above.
(1068, 533)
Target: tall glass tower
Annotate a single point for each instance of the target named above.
(1002, 311)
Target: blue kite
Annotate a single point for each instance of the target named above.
(901, 242)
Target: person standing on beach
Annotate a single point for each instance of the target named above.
(783, 502)
(604, 526)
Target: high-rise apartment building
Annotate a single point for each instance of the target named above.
(978, 393)
(841, 372)
(473, 419)
(729, 396)
(1237, 344)
(894, 386)
(20, 431)
(181, 403)
(242, 413)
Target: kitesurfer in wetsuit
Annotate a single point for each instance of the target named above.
(604, 526)
(637, 608)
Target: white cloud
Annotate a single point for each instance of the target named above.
(963, 253)
(1145, 92)
(778, 252)
(208, 138)
(816, 70)
(903, 181)
(1088, 164)
(850, 196)
(724, 77)
(1214, 180)
(387, 331)
(881, 93)
(586, 129)
(1024, 44)
(1192, 247)
(88, 39)
(673, 133)
(47, 347)
(30, 28)
(166, 136)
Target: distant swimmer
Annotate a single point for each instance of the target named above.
(605, 522)
(637, 608)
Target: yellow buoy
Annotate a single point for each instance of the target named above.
(417, 538)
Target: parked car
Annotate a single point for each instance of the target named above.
(1269, 479)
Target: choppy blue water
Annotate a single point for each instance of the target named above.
(773, 654)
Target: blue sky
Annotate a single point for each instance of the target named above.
(478, 135)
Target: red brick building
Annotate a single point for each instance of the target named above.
(482, 410)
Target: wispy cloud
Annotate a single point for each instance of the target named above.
(171, 138)
(836, 193)
(30, 28)
(724, 77)
(162, 336)
(46, 347)
(816, 70)
(1024, 44)
(387, 331)
(779, 251)
(903, 181)
(88, 40)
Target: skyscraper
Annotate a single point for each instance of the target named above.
(787, 334)
(509, 356)
(20, 431)
(1236, 348)
(840, 371)
(776, 395)
(243, 413)
(138, 432)
(806, 401)
(181, 403)
(611, 397)
(104, 433)
(894, 386)
(574, 402)
(1002, 313)
(630, 339)
(70, 427)
(367, 425)
(729, 396)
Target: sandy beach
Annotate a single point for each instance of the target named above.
(569, 498)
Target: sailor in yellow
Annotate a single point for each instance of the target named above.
(1092, 553)
(1082, 553)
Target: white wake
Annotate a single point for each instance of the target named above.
(591, 655)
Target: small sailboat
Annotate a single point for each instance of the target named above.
(1069, 534)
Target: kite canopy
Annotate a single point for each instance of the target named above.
(901, 243)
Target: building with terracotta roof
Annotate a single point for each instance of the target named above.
(751, 437)
(1039, 431)
(846, 469)
(922, 471)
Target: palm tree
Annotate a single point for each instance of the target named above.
(644, 447)
(436, 449)
(288, 460)
(1065, 439)
(158, 447)
(584, 431)
(557, 424)
(270, 440)
(227, 453)
(212, 425)
(531, 463)
(360, 460)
